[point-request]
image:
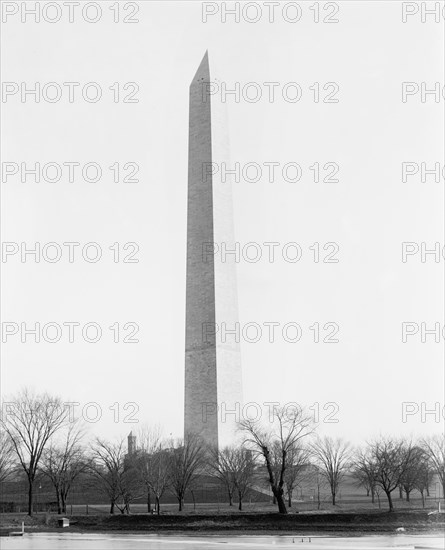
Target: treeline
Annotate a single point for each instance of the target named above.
(38, 437)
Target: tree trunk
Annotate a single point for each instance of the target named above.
(30, 496)
(278, 494)
(240, 505)
(181, 503)
(148, 500)
(427, 491)
(333, 498)
(372, 496)
(407, 495)
(158, 505)
(112, 507)
(422, 494)
(289, 499)
(59, 504)
(230, 498)
(391, 506)
(281, 505)
(367, 491)
(400, 492)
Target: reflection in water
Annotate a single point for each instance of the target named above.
(71, 541)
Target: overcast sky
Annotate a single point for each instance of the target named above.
(362, 380)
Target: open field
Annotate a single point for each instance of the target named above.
(211, 497)
(351, 505)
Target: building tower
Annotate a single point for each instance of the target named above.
(213, 381)
(131, 444)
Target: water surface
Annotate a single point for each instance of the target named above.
(87, 541)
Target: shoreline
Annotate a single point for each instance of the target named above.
(321, 525)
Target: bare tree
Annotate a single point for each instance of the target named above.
(424, 478)
(7, 456)
(187, 460)
(243, 468)
(117, 478)
(298, 461)
(332, 457)
(363, 469)
(314, 478)
(275, 442)
(220, 466)
(434, 447)
(129, 488)
(150, 438)
(413, 471)
(391, 458)
(378, 492)
(62, 463)
(154, 470)
(234, 467)
(107, 466)
(30, 421)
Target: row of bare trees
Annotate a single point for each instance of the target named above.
(384, 465)
(157, 465)
(38, 436)
(388, 464)
(283, 454)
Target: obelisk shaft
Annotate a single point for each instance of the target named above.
(212, 362)
(200, 353)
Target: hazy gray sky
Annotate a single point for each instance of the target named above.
(368, 213)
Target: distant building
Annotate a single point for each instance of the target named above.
(131, 446)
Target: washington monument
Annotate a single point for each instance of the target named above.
(213, 382)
